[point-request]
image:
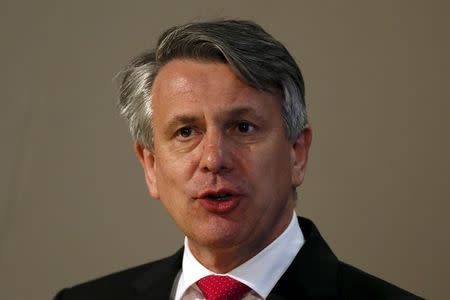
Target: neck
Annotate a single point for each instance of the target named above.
(223, 260)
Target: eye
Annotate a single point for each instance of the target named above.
(245, 127)
(184, 132)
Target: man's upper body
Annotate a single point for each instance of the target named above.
(218, 116)
(315, 273)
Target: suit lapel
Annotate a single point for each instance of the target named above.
(313, 273)
(157, 282)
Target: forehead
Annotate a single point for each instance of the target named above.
(184, 76)
(191, 89)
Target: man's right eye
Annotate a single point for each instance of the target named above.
(184, 132)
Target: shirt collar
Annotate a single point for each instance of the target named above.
(260, 273)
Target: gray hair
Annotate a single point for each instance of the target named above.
(253, 54)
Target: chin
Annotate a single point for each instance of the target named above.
(219, 236)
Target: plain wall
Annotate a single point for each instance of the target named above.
(73, 203)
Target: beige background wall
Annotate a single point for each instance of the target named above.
(73, 204)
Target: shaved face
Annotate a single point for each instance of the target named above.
(221, 163)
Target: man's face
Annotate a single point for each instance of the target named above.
(221, 163)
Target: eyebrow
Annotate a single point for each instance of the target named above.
(179, 120)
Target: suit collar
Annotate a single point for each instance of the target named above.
(313, 273)
(157, 281)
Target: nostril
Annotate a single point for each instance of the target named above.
(215, 157)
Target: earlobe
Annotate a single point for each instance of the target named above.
(147, 160)
(300, 151)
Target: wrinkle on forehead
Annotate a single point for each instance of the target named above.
(179, 78)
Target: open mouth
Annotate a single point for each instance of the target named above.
(218, 196)
(220, 201)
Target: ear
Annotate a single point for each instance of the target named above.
(147, 159)
(300, 151)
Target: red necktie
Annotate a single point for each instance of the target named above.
(216, 287)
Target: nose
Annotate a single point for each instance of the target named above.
(216, 157)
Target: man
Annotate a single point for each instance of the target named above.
(218, 116)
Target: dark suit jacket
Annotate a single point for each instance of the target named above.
(315, 273)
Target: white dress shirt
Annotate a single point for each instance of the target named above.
(260, 273)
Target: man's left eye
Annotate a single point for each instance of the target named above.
(184, 132)
(245, 127)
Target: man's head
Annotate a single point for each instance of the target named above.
(218, 116)
(254, 55)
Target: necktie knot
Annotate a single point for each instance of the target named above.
(215, 287)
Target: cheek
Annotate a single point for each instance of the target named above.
(276, 157)
(274, 169)
(173, 173)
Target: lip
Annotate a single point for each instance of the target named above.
(219, 206)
